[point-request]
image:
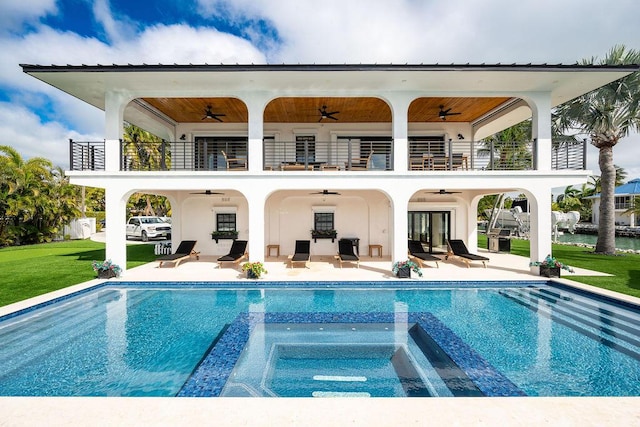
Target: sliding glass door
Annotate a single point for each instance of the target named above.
(431, 228)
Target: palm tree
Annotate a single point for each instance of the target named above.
(509, 148)
(606, 114)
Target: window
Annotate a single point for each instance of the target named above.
(323, 221)
(208, 151)
(305, 149)
(226, 222)
(623, 202)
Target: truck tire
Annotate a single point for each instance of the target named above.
(144, 236)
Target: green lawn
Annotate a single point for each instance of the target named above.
(625, 268)
(27, 271)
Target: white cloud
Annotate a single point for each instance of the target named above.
(23, 130)
(13, 13)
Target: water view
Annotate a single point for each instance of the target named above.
(590, 239)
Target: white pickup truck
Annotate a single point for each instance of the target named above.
(148, 227)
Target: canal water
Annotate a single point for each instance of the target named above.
(590, 239)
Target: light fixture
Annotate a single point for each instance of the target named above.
(183, 137)
(460, 136)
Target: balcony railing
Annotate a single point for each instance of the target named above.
(85, 156)
(344, 154)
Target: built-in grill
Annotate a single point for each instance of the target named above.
(499, 240)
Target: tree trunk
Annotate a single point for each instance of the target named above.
(606, 243)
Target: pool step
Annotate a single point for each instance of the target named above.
(609, 336)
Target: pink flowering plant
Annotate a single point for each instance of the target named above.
(551, 262)
(104, 266)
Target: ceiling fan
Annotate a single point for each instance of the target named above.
(443, 114)
(326, 193)
(209, 114)
(206, 192)
(443, 191)
(324, 114)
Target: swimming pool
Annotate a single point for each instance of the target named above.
(323, 339)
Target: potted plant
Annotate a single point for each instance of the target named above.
(254, 269)
(106, 269)
(403, 269)
(550, 267)
(228, 234)
(324, 234)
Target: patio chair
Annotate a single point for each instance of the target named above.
(302, 253)
(458, 249)
(184, 251)
(234, 163)
(346, 254)
(361, 163)
(236, 254)
(419, 256)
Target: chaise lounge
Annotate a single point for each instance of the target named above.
(184, 251)
(236, 254)
(302, 253)
(419, 256)
(458, 249)
(346, 254)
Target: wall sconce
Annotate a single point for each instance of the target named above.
(460, 136)
(183, 137)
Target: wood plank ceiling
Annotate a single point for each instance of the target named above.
(307, 109)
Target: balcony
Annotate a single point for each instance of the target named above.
(347, 154)
(350, 154)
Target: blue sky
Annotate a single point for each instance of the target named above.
(38, 120)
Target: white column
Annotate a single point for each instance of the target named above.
(540, 104)
(255, 132)
(116, 241)
(540, 222)
(472, 224)
(400, 117)
(114, 105)
(256, 203)
(400, 203)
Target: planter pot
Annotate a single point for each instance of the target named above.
(549, 271)
(252, 275)
(106, 274)
(404, 272)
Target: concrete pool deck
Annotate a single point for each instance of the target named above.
(512, 411)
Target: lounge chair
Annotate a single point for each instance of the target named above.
(419, 256)
(302, 253)
(234, 163)
(346, 254)
(458, 249)
(236, 254)
(184, 251)
(360, 163)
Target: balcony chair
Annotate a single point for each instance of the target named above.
(184, 251)
(439, 161)
(302, 253)
(360, 163)
(457, 161)
(236, 254)
(234, 164)
(419, 256)
(346, 254)
(458, 249)
(416, 163)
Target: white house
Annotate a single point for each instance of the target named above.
(624, 197)
(377, 152)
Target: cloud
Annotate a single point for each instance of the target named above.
(23, 130)
(14, 13)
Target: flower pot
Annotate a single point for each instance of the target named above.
(404, 272)
(252, 275)
(106, 274)
(549, 271)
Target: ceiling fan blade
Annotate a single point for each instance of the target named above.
(332, 113)
(331, 117)
(215, 117)
(207, 192)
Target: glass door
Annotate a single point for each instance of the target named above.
(431, 228)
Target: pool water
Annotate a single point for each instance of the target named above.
(323, 339)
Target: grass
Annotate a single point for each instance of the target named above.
(28, 271)
(624, 268)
